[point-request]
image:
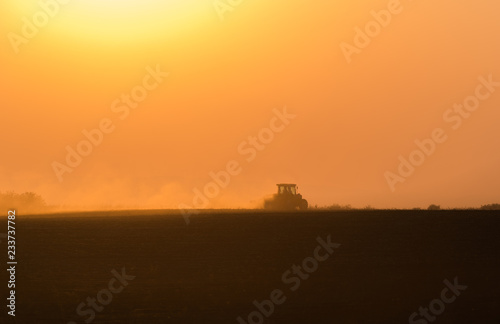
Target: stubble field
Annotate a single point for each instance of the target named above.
(388, 265)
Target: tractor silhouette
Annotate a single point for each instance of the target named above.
(287, 198)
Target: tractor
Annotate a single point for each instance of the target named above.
(287, 198)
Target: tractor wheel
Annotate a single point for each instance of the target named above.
(303, 204)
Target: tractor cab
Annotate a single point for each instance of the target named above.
(284, 188)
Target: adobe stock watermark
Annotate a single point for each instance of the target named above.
(121, 106)
(454, 117)
(364, 36)
(30, 28)
(249, 149)
(104, 297)
(293, 278)
(224, 6)
(437, 306)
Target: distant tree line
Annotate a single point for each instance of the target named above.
(28, 202)
(431, 207)
(343, 207)
(491, 207)
(434, 207)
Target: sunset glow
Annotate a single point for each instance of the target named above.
(229, 67)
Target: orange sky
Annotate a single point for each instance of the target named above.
(227, 77)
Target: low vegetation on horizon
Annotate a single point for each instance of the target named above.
(30, 202)
(431, 207)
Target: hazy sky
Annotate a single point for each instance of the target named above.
(358, 102)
